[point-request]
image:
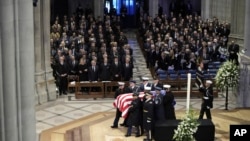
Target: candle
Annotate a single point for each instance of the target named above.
(188, 91)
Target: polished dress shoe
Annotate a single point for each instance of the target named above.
(123, 125)
(127, 135)
(114, 126)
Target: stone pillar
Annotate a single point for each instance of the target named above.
(1, 98)
(17, 67)
(25, 79)
(98, 8)
(244, 84)
(237, 21)
(247, 28)
(205, 9)
(9, 93)
(45, 86)
(153, 8)
(50, 86)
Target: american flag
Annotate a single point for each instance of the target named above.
(123, 101)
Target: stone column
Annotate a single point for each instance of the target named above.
(25, 67)
(50, 86)
(205, 9)
(153, 8)
(17, 69)
(237, 21)
(98, 8)
(247, 28)
(9, 93)
(244, 84)
(1, 98)
(45, 86)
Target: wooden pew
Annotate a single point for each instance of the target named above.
(72, 79)
(94, 90)
(111, 86)
(179, 88)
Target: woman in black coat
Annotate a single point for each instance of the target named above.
(134, 115)
(83, 70)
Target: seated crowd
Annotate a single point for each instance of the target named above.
(180, 43)
(89, 48)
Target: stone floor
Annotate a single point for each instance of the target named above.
(63, 110)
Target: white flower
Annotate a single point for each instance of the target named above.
(186, 128)
(227, 75)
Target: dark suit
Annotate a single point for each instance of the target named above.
(62, 73)
(105, 72)
(127, 72)
(83, 72)
(93, 74)
(73, 66)
(116, 72)
(233, 49)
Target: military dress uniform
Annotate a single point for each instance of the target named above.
(159, 107)
(119, 91)
(207, 101)
(148, 117)
(134, 115)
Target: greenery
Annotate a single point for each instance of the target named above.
(187, 127)
(227, 75)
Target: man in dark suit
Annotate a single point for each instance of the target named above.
(105, 70)
(116, 70)
(93, 71)
(233, 50)
(73, 65)
(127, 70)
(62, 73)
(207, 100)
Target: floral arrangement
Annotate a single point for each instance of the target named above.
(227, 75)
(187, 128)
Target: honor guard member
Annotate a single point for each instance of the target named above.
(145, 83)
(134, 115)
(132, 86)
(146, 90)
(199, 76)
(207, 99)
(121, 90)
(169, 103)
(158, 103)
(148, 115)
